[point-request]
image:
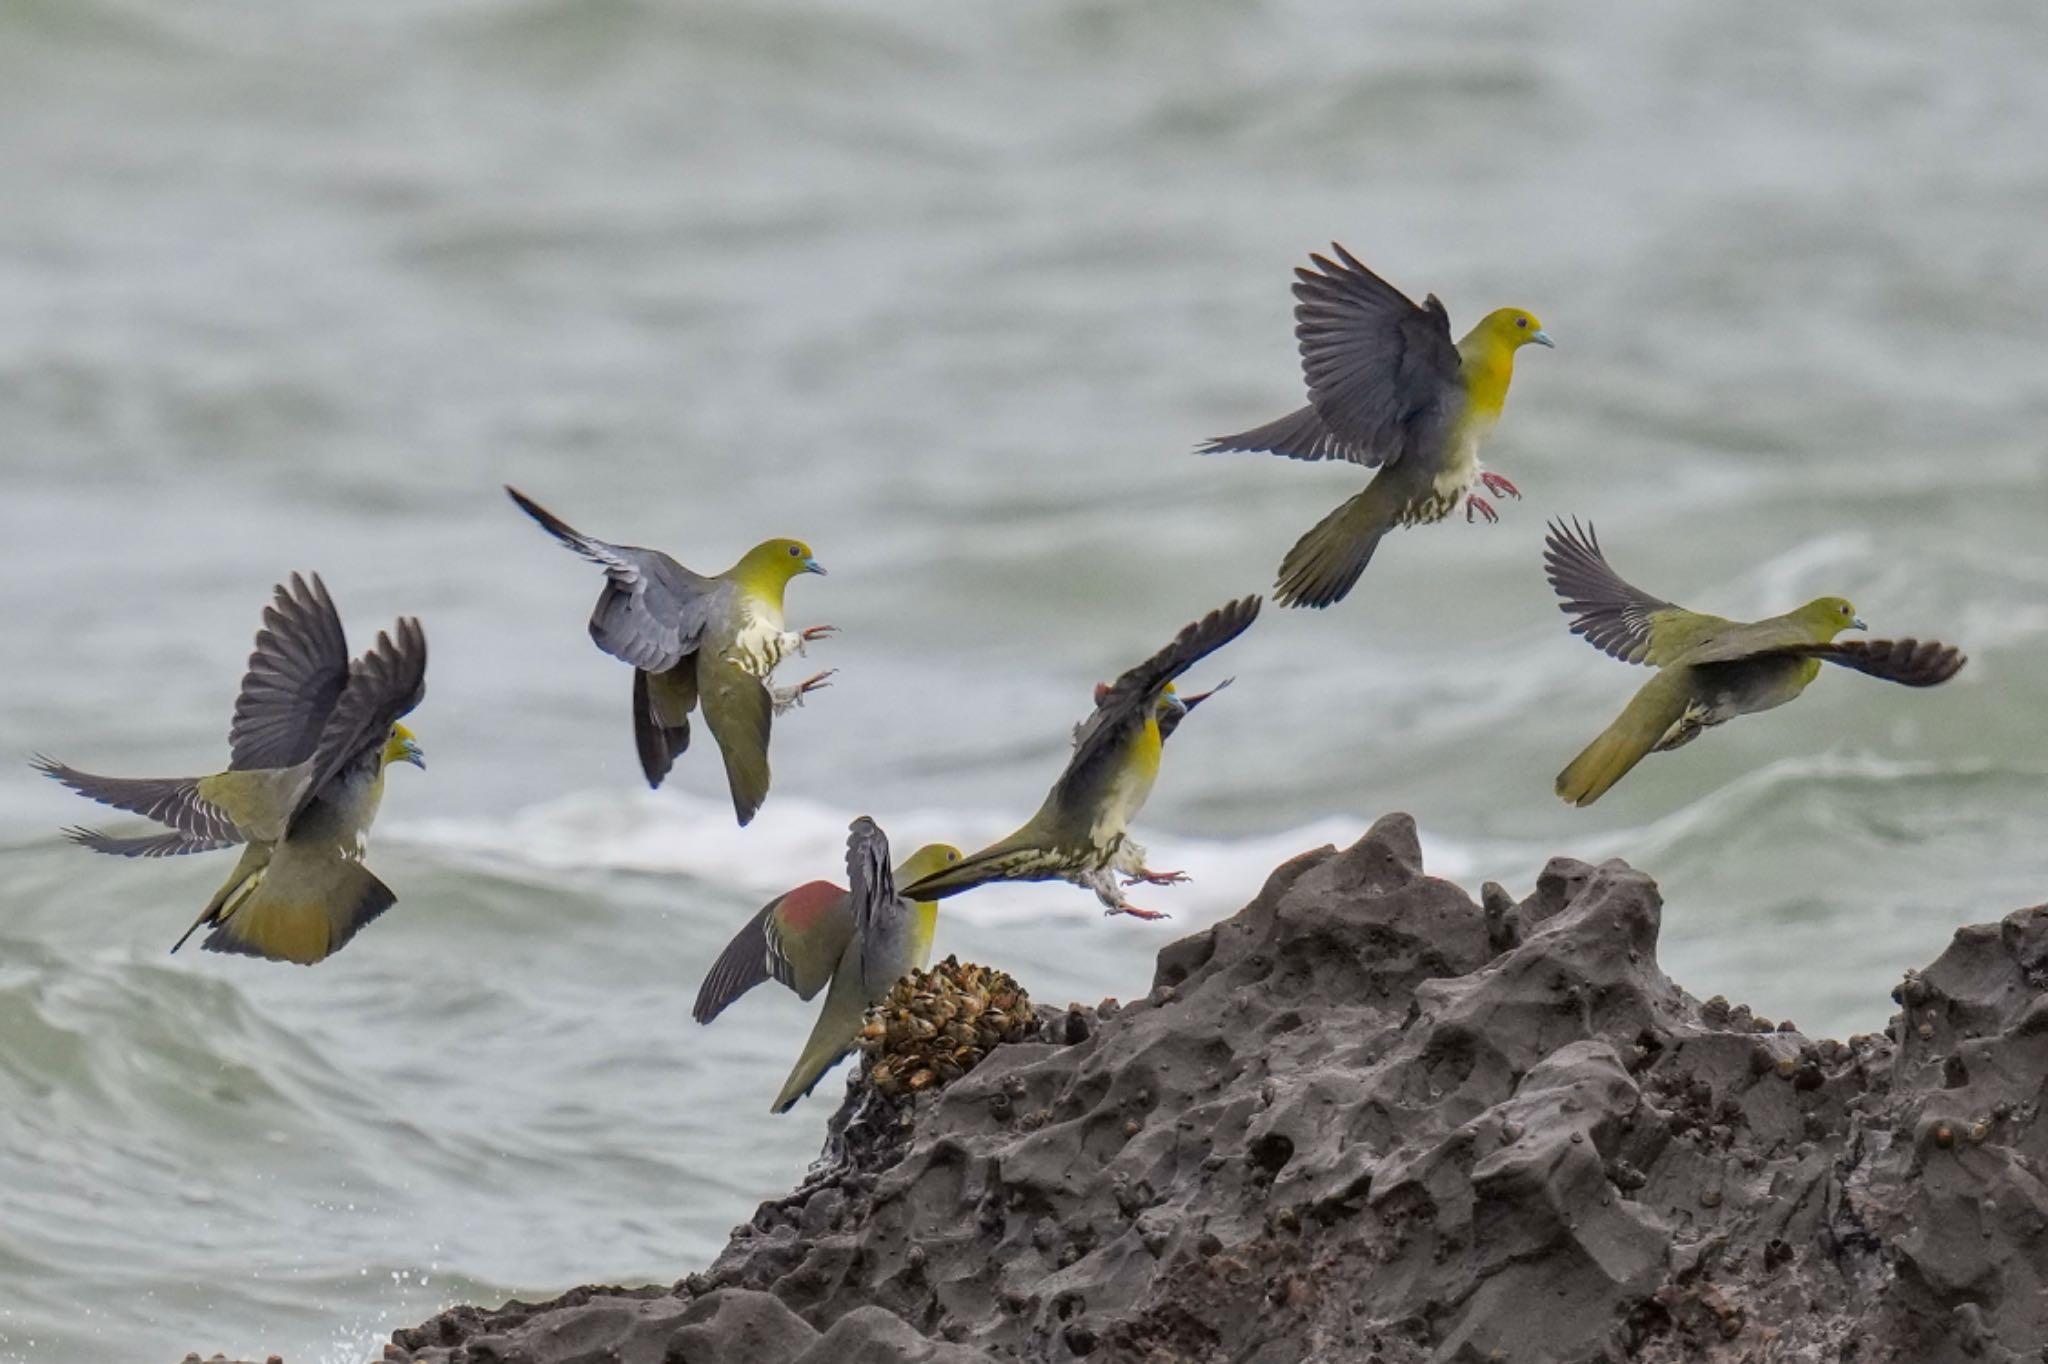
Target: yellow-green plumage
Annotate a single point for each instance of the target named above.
(1080, 832)
(890, 936)
(696, 641)
(311, 738)
(1710, 669)
(1387, 390)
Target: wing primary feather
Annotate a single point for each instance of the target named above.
(1608, 612)
(1909, 662)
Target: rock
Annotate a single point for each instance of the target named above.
(1368, 1119)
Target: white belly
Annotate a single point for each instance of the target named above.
(1461, 470)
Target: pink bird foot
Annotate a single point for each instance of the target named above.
(814, 682)
(1126, 907)
(1147, 877)
(1499, 486)
(1475, 503)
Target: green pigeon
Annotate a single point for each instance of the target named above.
(1709, 670)
(1081, 832)
(1390, 390)
(311, 738)
(800, 935)
(864, 939)
(697, 640)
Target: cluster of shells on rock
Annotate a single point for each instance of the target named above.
(935, 1025)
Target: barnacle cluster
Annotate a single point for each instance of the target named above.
(935, 1025)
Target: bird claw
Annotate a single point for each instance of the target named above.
(1147, 877)
(1126, 907)
(810, 634)
(1499, 486)
(1475, 503)
(786, 698)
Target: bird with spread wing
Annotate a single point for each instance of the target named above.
(311, 738)
(854, 944)
(1082, 831)
(1709, 670)
(695, 640)
(1387, 389)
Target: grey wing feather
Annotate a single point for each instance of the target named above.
(1608, 612)
(1909, 662)
(296, 673)
(386, 683)
(1300, 434)
(740, 967)
(871, 885)
(652, 611)
(167, 800)
(1382, 373)
(1132, 697)
(176, 843)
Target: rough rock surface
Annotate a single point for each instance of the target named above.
(1367, 1119)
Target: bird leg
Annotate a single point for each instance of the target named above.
(1499, 486)
(786, 699)
(1103, 883)
(1146, 876)
(1475, 503)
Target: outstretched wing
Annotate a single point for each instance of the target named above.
(1614, 616)
(167, 800)
(797, 938)
(1382, 374)
(295, 675)
(1132, 697)
(385, 684)
(652, 611)
(176, 843)
(1909, 662)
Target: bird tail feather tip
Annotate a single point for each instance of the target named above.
(1623, 744)
(1325, 564)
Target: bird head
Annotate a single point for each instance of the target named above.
(1513, 328)
(772, 563)
(401, 747)
(1827, 617)
(932, 857)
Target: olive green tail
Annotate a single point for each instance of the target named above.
(1325, 563)
(1646, 719)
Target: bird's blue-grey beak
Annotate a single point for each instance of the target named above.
(413, 753)
(1856, 623)
(1540, 337)
(813, 566)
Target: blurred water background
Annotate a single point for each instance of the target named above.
(949, 291)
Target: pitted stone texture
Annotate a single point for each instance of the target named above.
(1368, 1119)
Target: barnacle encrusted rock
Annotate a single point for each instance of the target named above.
(937, 1025)
(1366, 1119)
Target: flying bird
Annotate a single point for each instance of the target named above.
(1082, 831)
(1709, 670)
(311, 737)
(695, 640)
(1387, 389)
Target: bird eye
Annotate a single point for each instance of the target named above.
(1521, 322)
(795, 550)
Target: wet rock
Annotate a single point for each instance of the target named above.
(1369, 1119)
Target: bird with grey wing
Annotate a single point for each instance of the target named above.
(1082, 831)
(1709, 669)
(698, 641)
(310, 741)
(1387, 389)
(854, 944)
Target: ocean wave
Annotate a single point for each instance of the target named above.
(797, 840)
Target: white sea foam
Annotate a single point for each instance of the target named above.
(794, 840)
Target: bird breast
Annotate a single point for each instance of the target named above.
(760, 643)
